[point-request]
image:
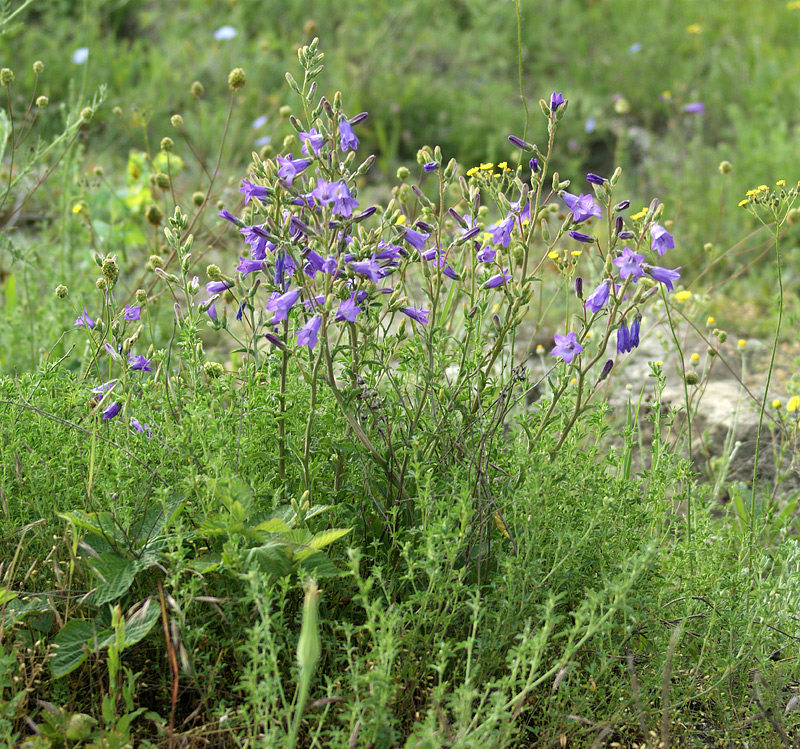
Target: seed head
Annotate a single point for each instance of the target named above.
(176, 121)
(101, 283)
(197, 89)
(110, 269)
(403, 173)
(38, 67)
(692, 378)
(285, 111)
(6, 77)
(154, 215)
(62, 292)
(86, 115)
(213, 369)
(155, 261)
(141, 296)
(42, 102)
(213, 272)
(167, 145)
(289, 141)
(198, 198)
(725, 167)
(236, 79)
(161, 180)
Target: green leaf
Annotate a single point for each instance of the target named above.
(326, 538)
(274, 525)
(271, 558)
(10, 290)
(72, 642)
(139, 624)
(317, 565)
(117, 574)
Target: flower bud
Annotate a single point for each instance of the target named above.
(42, 102)
(618, 225)
(607, 367)
(176, 121)
(62, 292)
(197, 89)
(692, 378)
(579, 287)
(403, 172)
(155, 261)
(626, 235)
(236, 79)
(38, 67)
(198, 198)
(86, 115)
(161, 180)
(101, 284)
(213, 272)
(622, 206)
(167, 145)
(6, 77)
(141, 296)
(154, 215)
(725, 167)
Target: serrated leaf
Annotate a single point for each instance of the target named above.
(317, 565)
(116, 574)
(274, 525)
(271, 558)
(73, 648)
(139, 624)
(326, 538)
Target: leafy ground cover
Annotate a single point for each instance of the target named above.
(362, 484)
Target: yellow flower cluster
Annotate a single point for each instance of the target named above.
(641, 214)
(484, 170)
(694, 28)
(793, 404)
(794, 5)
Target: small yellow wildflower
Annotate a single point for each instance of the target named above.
(666, 95)
(576, 253)
(573, 381)
(743, 202)
(639, 215)
(711, 321)
(780, 183)
(793, 404)
(77, 208)
(682, 296)
(473, 171)
(401, 219)
(695, 359)
(488, 166)
(776, 404)
(694, 28)
(540, 349)
(503, 165)
(742, 344)
(763, 188)
(553, 255)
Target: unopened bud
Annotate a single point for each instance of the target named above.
(38, 67)
(86, 115)
(236, 79)
(141, 296)
(725, 167)
(197, 89)
(403, 172)
(213, 272)
(155, 261)
(176, 121)
(213, 369)
(167, 145)
(692, 378)
(154, 215)
(161, 180)
(62, 292)
(6, 77)
(42, 102)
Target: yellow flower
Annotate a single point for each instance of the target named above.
(710, 321)
(695, 359)
(472, 172)
(540, 349)
(77, 208)
(682, 296)
(742, 344)
(503, 165)
(776, 404)
(576, 253)
(793, 404)
(553, 255)
(401, 219)
(666, 95)
(694, 28)
(639, 215)
(743, 202)
(488, 166)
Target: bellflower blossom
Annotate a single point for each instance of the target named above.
(132, 313)
(110, 411)
(501, 234)
(435, 255)
(368, 268)
(139, 427)
(580, 237)
(307, 335)
(598, 298)
(249, 266)
(486, 254)
(696, 107)
(249, 190)
(343, 202)
(418, 315)
(348, 310)
(215, 287)
(556, 100)
(628, 339)
(84, 320)
(104, 387)
(582, 206)
(662, 275)
(258, 239)
(347, 138)
(662, 240)
(497, 280)
(567, 347)
(224, 33)
(289, 168)
(139, 363)
(416, 239)
(629, 264)
(280, 304)
(228, 216)
(313, 138)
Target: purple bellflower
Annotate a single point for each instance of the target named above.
(580, 237)
(598, 298)
(249, 190)
(247, 265)
(662, 240)
(418, 315)
(289, 168)
(416, 239)
(215, 287)
(258, 239)
(628, 338)
(629, 264)
(132, 313)
(347, 138)
(696, 107)
(486, 254)
(84, 321)
(280, 304)
(556, 100)
(595, 179)
(662, 275)
(582, 206)
(111, 410)
(567, 347)
(313, 138)
(497, 280)
(348, 310)
(140, 364)
(368, 268)
(501, 234)
(139, 427)
(228, 216)
(307, 335)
